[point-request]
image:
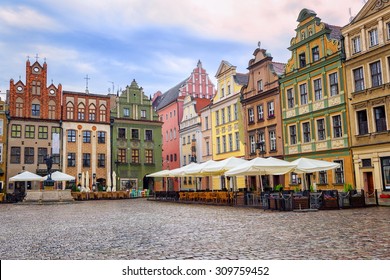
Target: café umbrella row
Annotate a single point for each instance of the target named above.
(240, 167)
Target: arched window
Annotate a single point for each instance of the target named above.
(81, 111)
(92, 112)
(35, 108)
(52, 109)
(70, 111)
(102, 113)
(19, 107)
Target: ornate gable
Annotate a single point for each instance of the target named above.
(371, 7)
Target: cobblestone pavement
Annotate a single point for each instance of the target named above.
(141, 229)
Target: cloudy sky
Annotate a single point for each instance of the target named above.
(156, 42)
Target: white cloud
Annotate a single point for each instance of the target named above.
(23, 17)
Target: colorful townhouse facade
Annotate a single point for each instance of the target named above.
(86, 138)
(227, 129)
(34, 126)
(191, 137)
(367, 73)
(169, 107)
(207, 142)
(314, 108)
(136, 140)
(3, 145)
(260, 100)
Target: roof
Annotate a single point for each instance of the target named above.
(335, 31)
(169, 96)
(278, 68)
(201, 103)
(241, 79)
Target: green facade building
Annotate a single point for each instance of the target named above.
(136, 140)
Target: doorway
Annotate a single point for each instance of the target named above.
(368, 183)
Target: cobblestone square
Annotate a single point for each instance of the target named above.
(141, 229)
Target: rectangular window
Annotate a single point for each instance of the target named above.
(317, 89)
(321, 130)
(143, 114)
(122, 133)
(15, 154)
(260, 85)
(92, 113)
(218, 145)
(229, 90)
(217, 117)
(315, 53)
(126, 112)
(43, 132)
(29, 131)
(28, 155)
(388, 30)
(101, 137)
(42, 153)
(188, 139)
(222, 92)
(1, 127)
(339, 172)
(337, 128)
(235, 112)
(223, 115)
(224, 144)
(358, 77)
(237, 136)
(101, 160)
(272, 140)
(184, 141)
(229, 114)
(16, 131)
(71, 135)
(271, 109)
(293, 134)
(294, 179)
(376, 74)
(302, 60)
(306, 132)
(206, 120)
(380, 119)
(71, 159)
(86, 136)
(362, 122)
(230, 142)
(134, 133)
(149, 135)
(303, 93)
(261, 140)
(55, 157)
(251, 116)
(35, 110)
(290, 98)
(184, 160)
(149, 156)
(373, 36)
(86, 160)
(356, 45)
(334, 84)
(134, 156)
(260, 112)
(323, 177)
(208, 148)
(252, 141)
(121, 156)
(55, 130)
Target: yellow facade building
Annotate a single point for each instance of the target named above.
(227, 127)
(367, 72)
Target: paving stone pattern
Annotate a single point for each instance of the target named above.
(141, 229)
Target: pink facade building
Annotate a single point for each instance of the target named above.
(169, 106)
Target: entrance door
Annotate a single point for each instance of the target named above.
(368, 184)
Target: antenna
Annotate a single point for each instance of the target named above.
(86, 83)
(112, 86)
(350, 15)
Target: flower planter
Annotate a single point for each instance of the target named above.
(300, 203)
(330, 203)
